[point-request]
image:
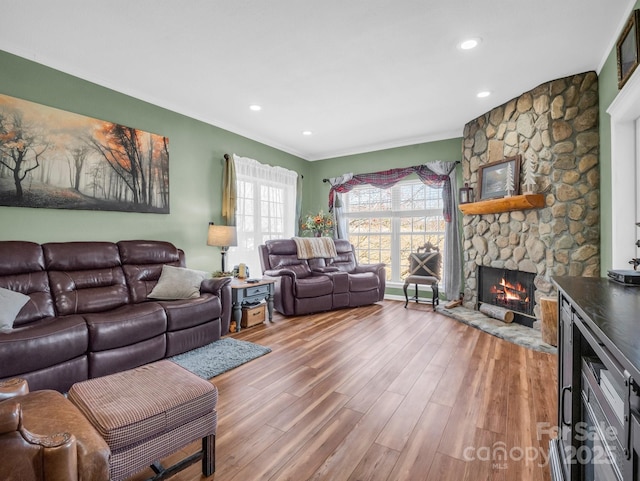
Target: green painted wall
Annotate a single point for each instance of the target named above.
(608, 90)
(196, 151)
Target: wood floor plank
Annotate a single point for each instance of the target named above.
(405, 380)
(272, 458)
(448, 468)
(376, 465)
(379, 393)
(399, 428)
(494, 400)
(486, 458)
(364, 399)
(306, 403)
(339, 465)
(415, 460)
(237, 426)
(315, 452)
(522, 439)
(242, 452)
(460, 431)
(452, 386)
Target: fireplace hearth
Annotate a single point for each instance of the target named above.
(510, 289)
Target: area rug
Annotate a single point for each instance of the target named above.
(219, 356)
(516, 333)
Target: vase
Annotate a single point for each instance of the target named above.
(317, 234)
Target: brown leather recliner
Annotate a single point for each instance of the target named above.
(43, 436)
(89, 314)
(320, 284)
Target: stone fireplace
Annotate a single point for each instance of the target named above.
(554, 125)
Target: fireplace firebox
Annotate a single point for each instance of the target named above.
(511, 289)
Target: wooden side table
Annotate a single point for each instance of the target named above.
(243, 292)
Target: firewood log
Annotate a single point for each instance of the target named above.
(549, 309)
(497, 312)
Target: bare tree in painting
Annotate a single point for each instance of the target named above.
(138, 169)
(96, 180)
(164, 170)
(121, 150)
(21, 148)
(76, 162)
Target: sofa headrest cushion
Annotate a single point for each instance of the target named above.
(281, 246)
(18, 257)
(343, 246)
(78, 256)
(148, 252)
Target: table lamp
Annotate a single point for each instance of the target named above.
(222, 236)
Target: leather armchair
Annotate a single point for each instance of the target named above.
(29, 456)
(43, 436)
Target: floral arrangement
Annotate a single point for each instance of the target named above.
(318, 225)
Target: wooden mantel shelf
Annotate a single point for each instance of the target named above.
(505, 204)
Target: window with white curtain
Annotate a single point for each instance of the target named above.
(386, 225)
(265, 209)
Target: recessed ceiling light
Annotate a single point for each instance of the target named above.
(255, 107)
(483, 94)
(469, 44)
(307, 132)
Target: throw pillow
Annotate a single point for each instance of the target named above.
(10, 304)
(178, 283)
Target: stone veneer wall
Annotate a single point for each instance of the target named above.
(556, 124)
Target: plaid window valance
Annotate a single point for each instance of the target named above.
(387, 178)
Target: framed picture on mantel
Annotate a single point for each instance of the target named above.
(627, 48)
(495, 178)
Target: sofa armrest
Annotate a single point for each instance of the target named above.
(221, 287)
(214, 285)
(369, 267)
(280, 273)
(13, 387)
(57, 453)
(9, 417)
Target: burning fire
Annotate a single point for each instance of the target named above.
(505, 292)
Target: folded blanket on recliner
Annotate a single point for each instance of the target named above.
(313, 247)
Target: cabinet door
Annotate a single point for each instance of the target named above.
(565, 381)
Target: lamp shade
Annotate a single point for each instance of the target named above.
(222, 235)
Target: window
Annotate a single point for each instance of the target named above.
(265, 209)
(386, 225)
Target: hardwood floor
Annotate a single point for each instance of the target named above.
(382, 393)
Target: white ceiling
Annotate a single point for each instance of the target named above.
(361, 74)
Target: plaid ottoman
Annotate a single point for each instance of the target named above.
(147, 413)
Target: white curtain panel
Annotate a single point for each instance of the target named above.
(272, 212)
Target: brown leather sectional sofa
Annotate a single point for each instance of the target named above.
(320, 284)
(89, 314)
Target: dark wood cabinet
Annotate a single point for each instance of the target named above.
(598, 372)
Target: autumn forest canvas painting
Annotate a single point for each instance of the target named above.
(55, 159)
